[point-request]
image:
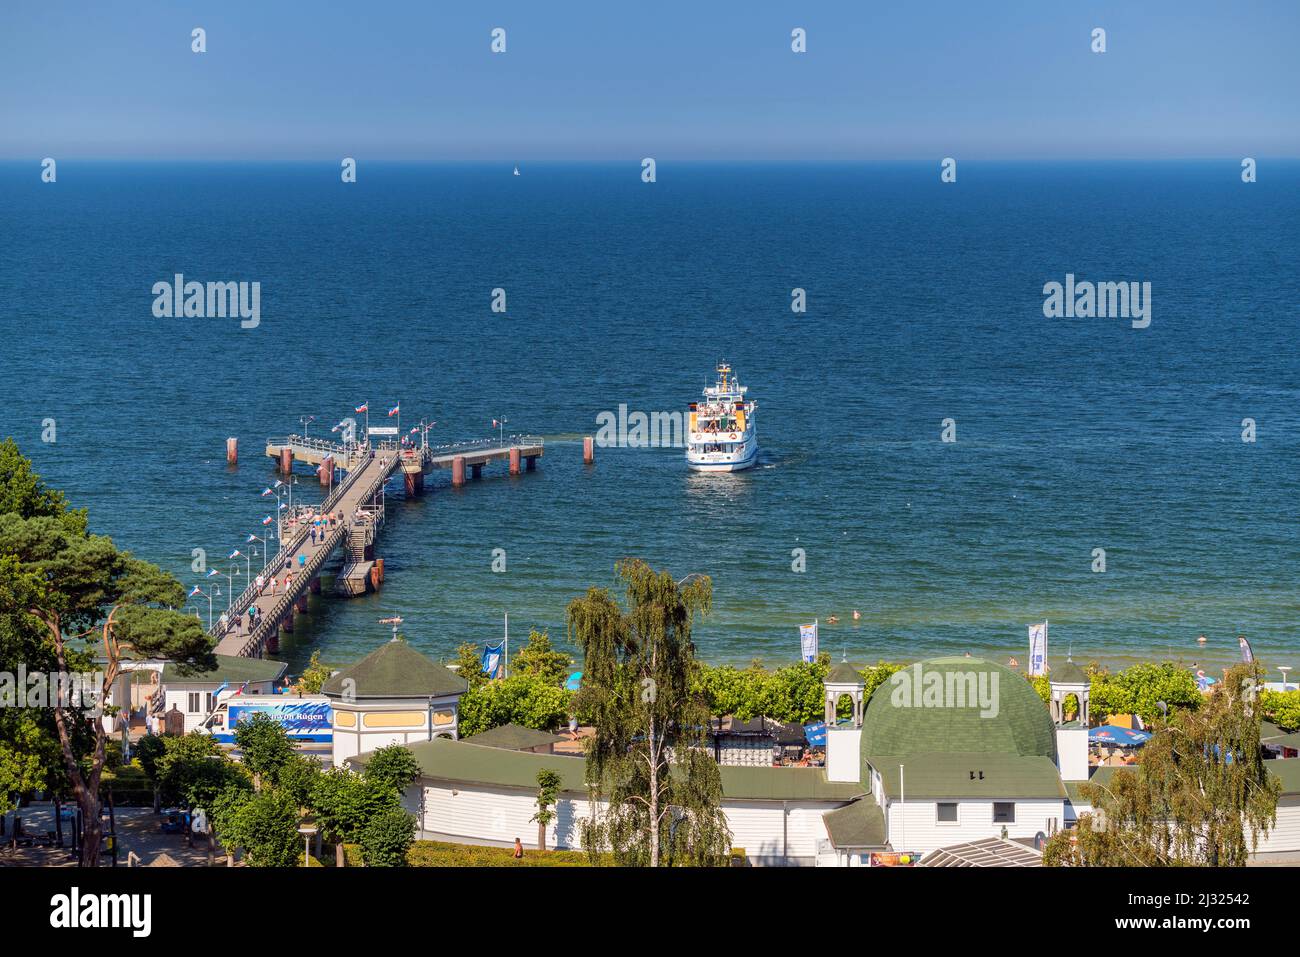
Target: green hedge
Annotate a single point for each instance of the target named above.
(440, 854)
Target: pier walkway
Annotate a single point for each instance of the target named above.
(353, 513)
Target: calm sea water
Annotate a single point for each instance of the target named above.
(924, 303)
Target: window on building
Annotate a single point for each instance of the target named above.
(192, 703)
(1004, 812)
(946, 812)
(211, 701)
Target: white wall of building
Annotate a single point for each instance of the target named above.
(499, 815)
(914, 826)
(1072, 753)
(1285, 835)
(843, 754)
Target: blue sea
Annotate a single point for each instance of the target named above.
(924, 303)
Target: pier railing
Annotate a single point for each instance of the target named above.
(287, 550)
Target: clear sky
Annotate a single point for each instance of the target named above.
(416, 79)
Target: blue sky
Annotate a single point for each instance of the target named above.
(415, 79)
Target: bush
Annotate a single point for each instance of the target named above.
(1282, 708)
(387, 837)
(520, 699)
(441, 854)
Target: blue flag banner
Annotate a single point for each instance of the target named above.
(493, 659)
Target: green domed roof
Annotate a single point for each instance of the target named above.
(957, 706)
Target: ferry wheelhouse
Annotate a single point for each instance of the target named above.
(723, 436)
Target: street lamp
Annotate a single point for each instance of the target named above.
(266, 549)
(306, 420)
(1284, 669)
(247, 562)
(199, 591)
(230, 585)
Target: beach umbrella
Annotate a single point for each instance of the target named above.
(816, 734)
(1118, 737)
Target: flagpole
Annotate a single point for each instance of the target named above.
(505, 671)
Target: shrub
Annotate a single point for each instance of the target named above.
(387, 837)
(442, 854)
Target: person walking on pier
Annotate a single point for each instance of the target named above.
(313, 535)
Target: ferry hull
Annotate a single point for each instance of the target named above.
(738, 465)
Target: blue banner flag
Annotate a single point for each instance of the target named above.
(493, 659)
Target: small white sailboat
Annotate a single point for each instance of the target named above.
(516, 170)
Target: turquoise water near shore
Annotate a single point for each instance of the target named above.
(924, 303)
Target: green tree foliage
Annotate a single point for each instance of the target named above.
(264, 823)
(1139, 689)
(522, 699)
(194, 770)
(1282, 708)
(469, 665)
(64, 592)
(541, 660)
(1201, 796)
(265, 746)
(793, 693)
(393, 767)
(344, 802)
(387, 837)
(313, 677)
(548, 790)
(648, 757)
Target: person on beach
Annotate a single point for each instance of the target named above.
(519, 849)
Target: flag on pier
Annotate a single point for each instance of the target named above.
(235, 554)
(1247, 656)
(808, 641)
(213, 573)
(266, 492)
(495, 423)
(197, 591)
(394, 410)
(251, 538)
(363, 407)
(1038, 649)
(268, 520)
(493, 660)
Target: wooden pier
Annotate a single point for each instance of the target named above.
(353, 513)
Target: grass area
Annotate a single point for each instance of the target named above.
(443, 854)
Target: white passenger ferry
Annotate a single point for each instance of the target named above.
(723, 436)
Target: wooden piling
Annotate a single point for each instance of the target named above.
(458, 471)
(232, 451)
(286, 460)
(514, 461)
(588, 450)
